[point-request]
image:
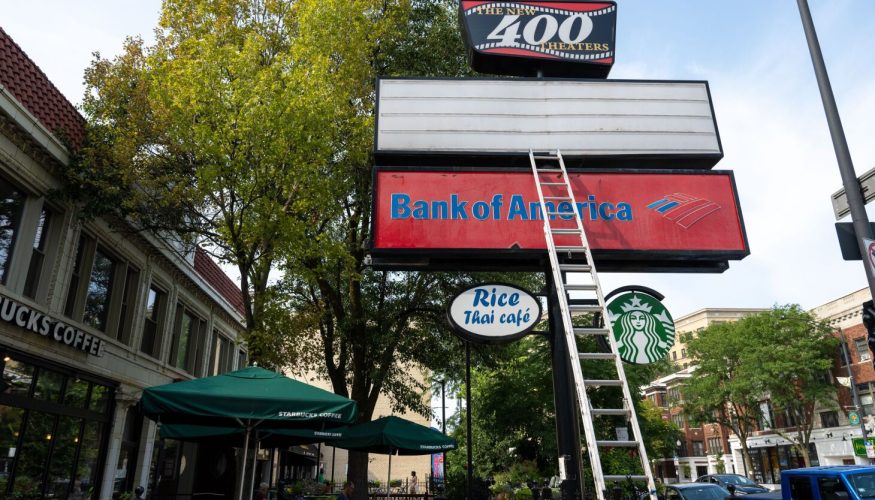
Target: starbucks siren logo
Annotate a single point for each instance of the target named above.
(643, 328)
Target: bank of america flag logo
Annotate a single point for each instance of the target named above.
(684, 209)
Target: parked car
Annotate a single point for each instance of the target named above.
(743, 485)
(695, 491)
(832, 482)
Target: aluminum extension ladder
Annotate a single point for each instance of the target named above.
(554, 187)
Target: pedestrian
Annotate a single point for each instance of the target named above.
(346, 492)
(413, 482)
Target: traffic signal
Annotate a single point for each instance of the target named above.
(869, 323)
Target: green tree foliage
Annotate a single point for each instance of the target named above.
(248, 127)
(513, 415)
(795, 357)
(782, 355)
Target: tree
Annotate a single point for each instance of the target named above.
(724, 388)
(248, 127)
(783, 355)
(795, 354)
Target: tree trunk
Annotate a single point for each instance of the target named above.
(358, 474)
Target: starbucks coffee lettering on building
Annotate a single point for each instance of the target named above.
(493, 312)
(16, 313)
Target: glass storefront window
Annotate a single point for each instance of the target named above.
(76, 394)
(52, 430)
(31, 461)
(17, 377)
(10, 427)
(48, 385)
(99, 398)
(63, 456)
(87, 468)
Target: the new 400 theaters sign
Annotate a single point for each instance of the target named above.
(561, 38)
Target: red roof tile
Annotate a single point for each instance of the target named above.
(32, 88)
(221, 283)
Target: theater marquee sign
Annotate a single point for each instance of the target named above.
(520, 38)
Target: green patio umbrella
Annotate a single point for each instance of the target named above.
(393, 435)
(247, 399)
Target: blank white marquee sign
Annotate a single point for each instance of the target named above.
(580, 117)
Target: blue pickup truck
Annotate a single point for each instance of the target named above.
(837, 482)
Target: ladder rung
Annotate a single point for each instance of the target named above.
(617, 444)
(548, 170)
(557, 198)
(617, 477)
(560, 213)
(599, 412)
(566, 248)
(545, 157)
(589, 287)
(575, 268)
(591, 331)
(596, 355)
(604, 383)
(565, 231)
(585, 308)
(552, 183)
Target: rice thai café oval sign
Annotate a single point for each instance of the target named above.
(493, 313)
(557, 38)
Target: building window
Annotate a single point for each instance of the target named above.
(683, 353)
(153, 324)
(829, 419)
(102, 287)
(766, 421)
(674, 355)
(99, 289)
(867, 401)
(698, 449)
(862, 349)
(678, 420)
(674, 395)
(38, 254)
(241, 359)
(186, 351)
(11, 206)
(715, 446)
(221, 358)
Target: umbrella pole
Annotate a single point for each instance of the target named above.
(254, 458)
(243, 465)
(389, 479)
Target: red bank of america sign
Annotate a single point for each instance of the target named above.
(670, 214)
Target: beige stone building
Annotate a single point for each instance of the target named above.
(335, 461)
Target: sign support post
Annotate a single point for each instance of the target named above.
(564, 399)
(840, 144)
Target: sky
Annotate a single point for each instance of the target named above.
(769, 114)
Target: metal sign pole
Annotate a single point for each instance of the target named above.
(564, 400)
(840, 144)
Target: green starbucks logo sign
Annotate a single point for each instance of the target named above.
(643, 328)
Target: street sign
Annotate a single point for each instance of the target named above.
(840, 199)
(870, 254)
(853, 418)
(859, 447)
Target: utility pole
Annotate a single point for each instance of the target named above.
(846, 167)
